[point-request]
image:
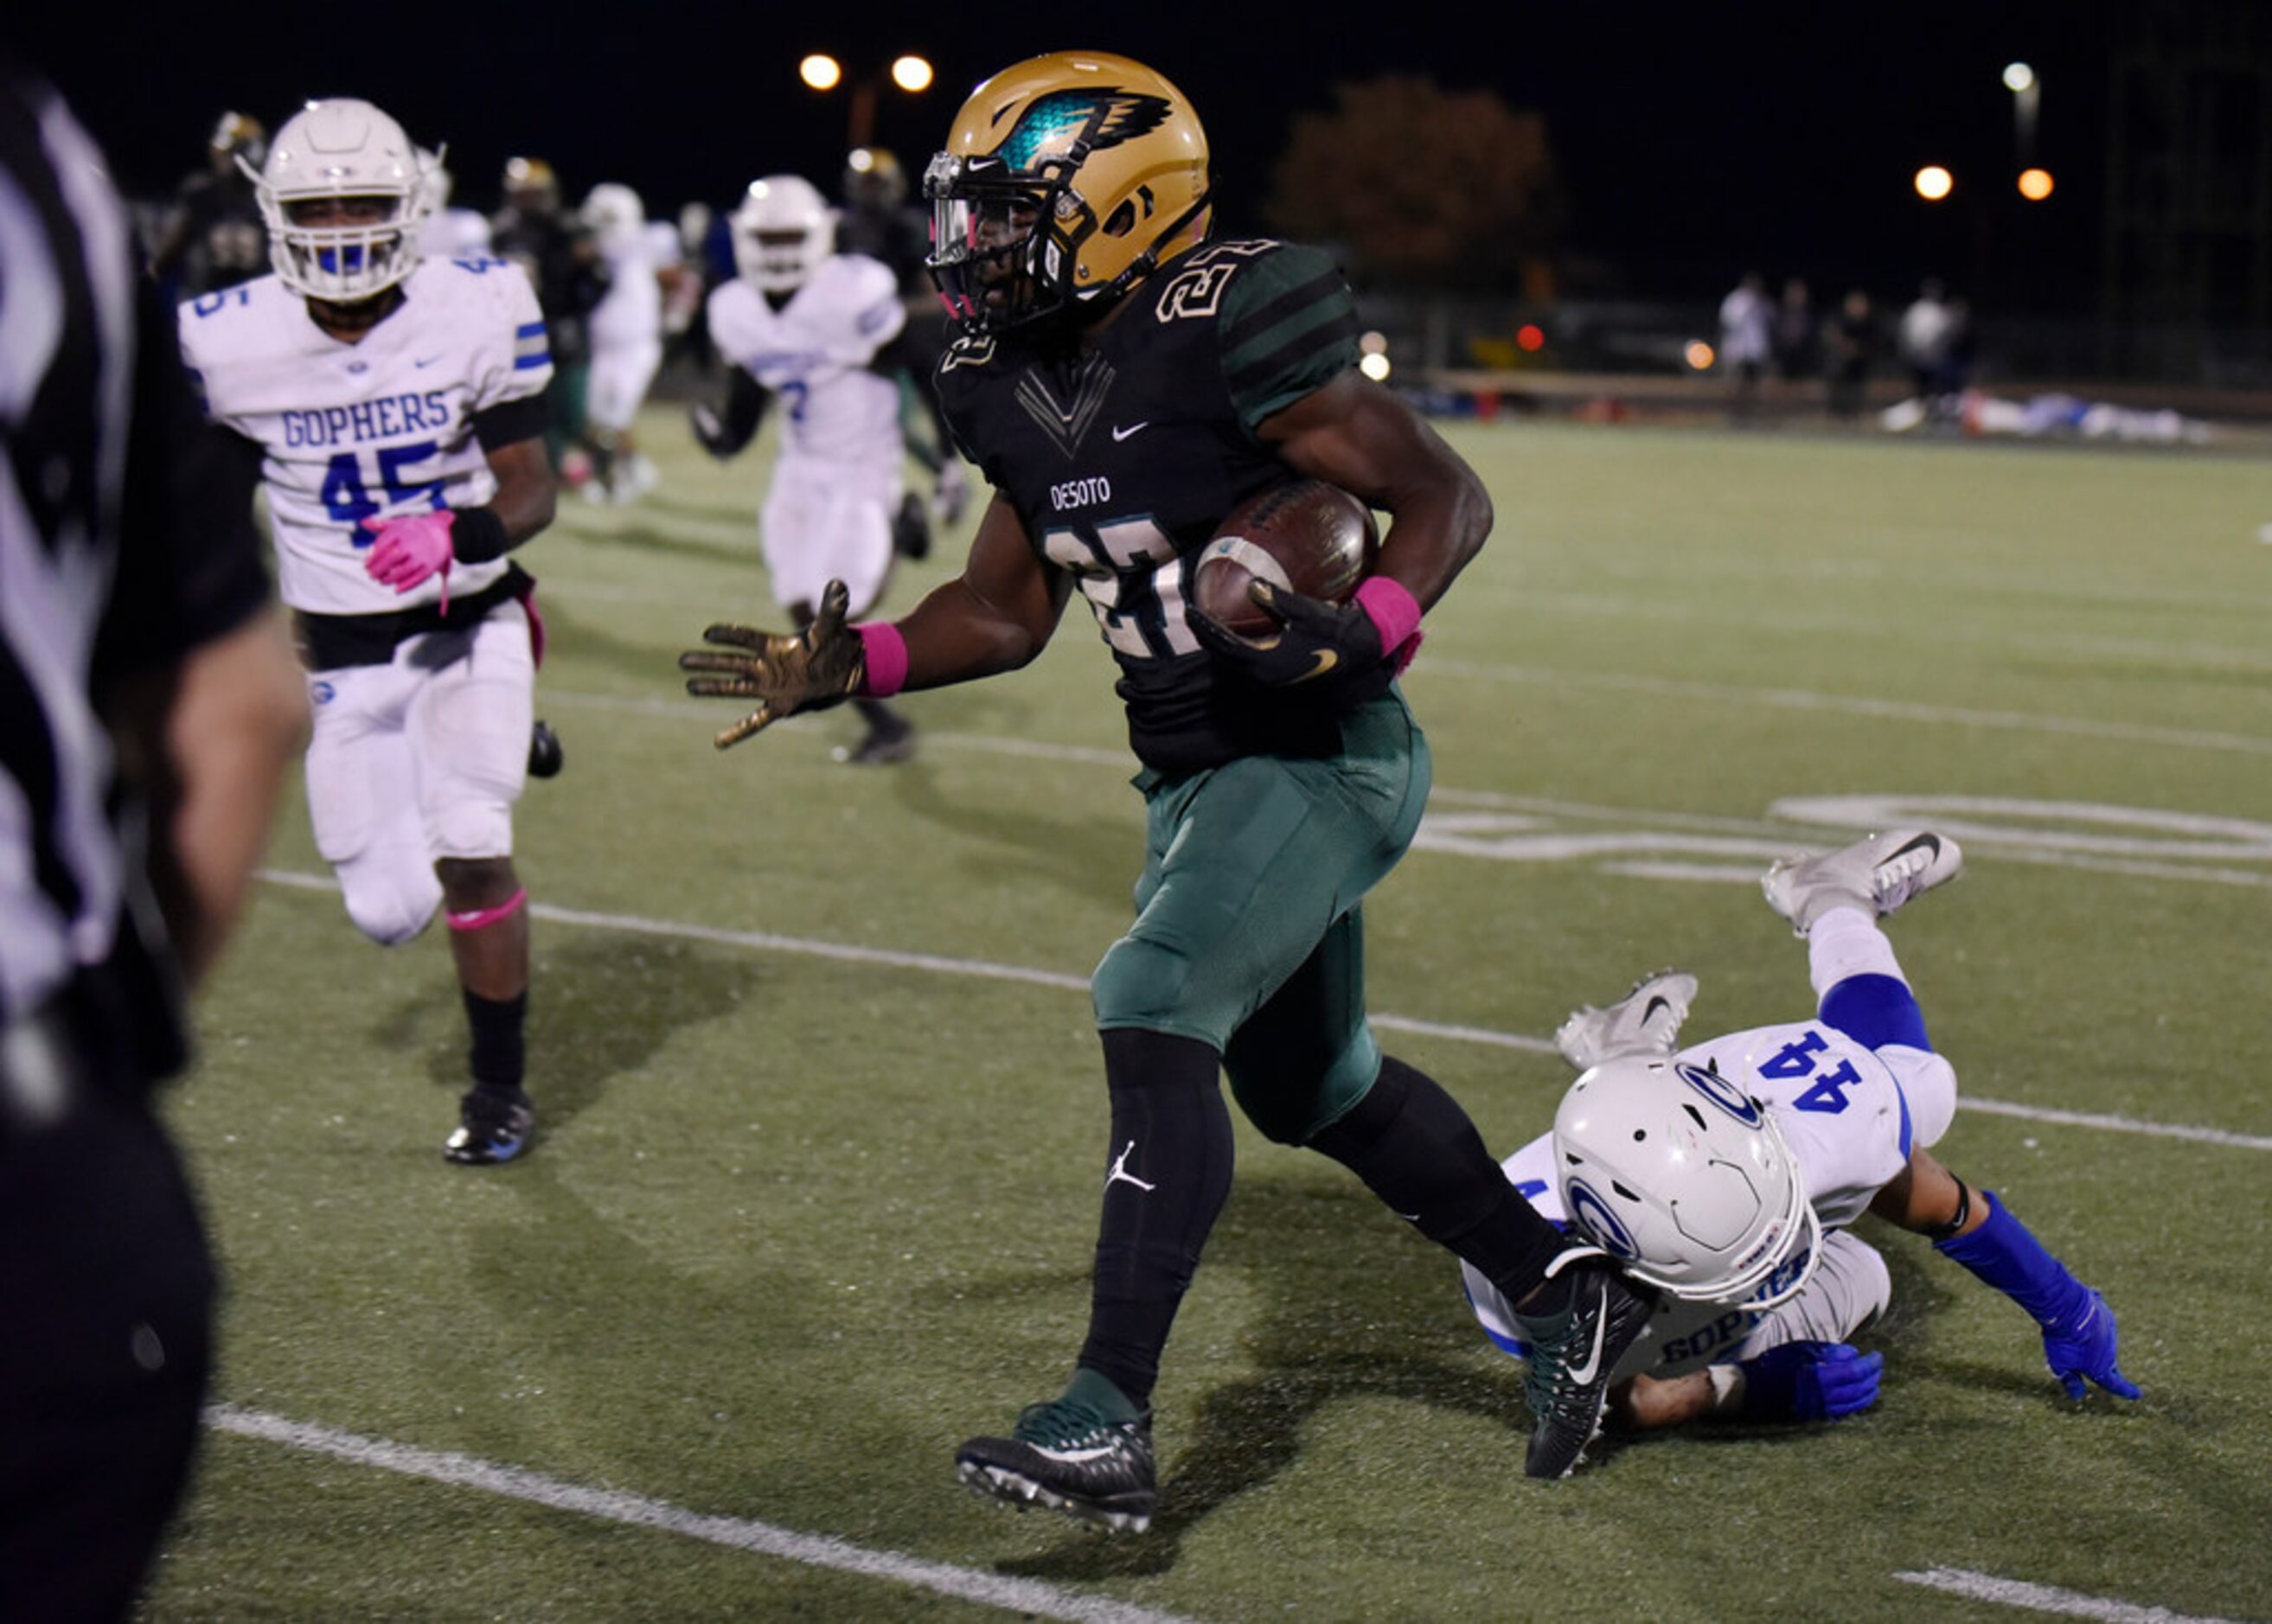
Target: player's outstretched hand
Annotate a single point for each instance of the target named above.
(2086, 1348)
(1811, 1381)
(822, 665)
(1313, 639)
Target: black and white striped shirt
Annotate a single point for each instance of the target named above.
(125, 541)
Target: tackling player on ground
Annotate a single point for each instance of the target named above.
(1123, 382)
(395, 408)
(1725, 1175)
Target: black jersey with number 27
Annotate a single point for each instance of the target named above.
(1123, 457)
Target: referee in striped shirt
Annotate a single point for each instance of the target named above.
(149, 705)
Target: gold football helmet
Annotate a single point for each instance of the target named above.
(1066, 180)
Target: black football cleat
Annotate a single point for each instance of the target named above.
(1573, 1352)
(493, 1126)
(545, 755)
(888, 742)
(911, 529)
(1066, 1455)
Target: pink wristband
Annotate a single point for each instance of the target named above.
(1395, 612)
(885, 658)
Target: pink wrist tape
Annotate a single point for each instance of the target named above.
(1395, 612)
(885, 659)
(481, 918)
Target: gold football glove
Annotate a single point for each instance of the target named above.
(822, 665)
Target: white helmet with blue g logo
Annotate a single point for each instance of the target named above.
(1685, 1182)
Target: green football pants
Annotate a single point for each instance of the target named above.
(1248, 934)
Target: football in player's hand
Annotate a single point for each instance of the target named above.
(1308, 536)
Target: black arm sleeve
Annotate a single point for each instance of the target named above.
(509, 422)
(190, 568)
(915, 350)
(744, 411)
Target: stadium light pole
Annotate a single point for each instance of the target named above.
(909, 73)
(2027, 90)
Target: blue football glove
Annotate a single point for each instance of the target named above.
(1810, 1382)
(1314, 639)
(2078, 1326)
(2086, 1348)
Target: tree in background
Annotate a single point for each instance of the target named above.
(1446, 189)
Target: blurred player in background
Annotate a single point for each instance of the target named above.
(1726, 1174)
(878, 221)
(448, 233)
(817, 330)
(626, 341)
(148, 711)
(1124, 382)
(215, 238)
(396, 406)
(562, 259)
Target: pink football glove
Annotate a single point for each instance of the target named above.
(411, 550)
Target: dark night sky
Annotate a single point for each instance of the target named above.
(1692, 140)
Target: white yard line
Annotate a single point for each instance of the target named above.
(986, 970)
(1030, 1596)
(1846, 704)
(2045, 1597)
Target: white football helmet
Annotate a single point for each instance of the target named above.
(1687, 1181)
(341, 148)
(782, 233)
(613, 212)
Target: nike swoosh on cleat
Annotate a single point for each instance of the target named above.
(1655, 1004)
(1584, 1372)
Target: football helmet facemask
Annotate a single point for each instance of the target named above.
(1066, 180)
(349, 150)
(782, 231)
(1687, 1181)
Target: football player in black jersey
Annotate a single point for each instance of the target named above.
(1124, 380)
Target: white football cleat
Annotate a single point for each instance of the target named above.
(1645, 1021)
(1878, 874)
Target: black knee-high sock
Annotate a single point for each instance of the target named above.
(1167, 1174)
(499, 1058)
(1414, 1146)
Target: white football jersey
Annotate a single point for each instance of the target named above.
(813, 354)
(1840, 1107)
(383, 426)
(630, 311)
(1845, 1117)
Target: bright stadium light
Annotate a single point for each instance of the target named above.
(1933, 182)
(2019, 76)
(2035, 184)
(1373, 344)
(909, 73)
(1374, 366)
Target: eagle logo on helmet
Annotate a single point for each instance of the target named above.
(1075, 121)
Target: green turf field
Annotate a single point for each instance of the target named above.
(823, 1119)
